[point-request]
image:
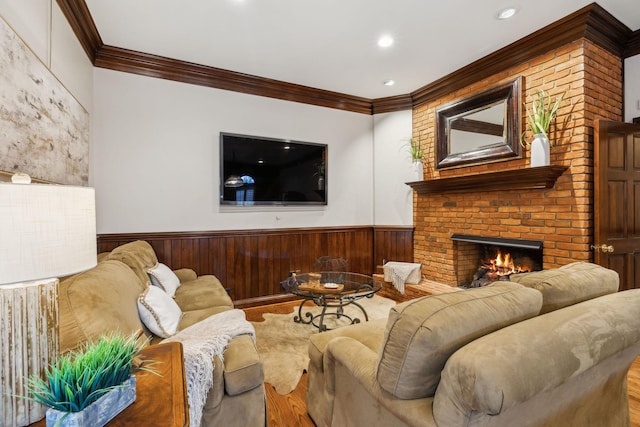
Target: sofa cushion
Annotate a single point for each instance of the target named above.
(569, 284)
(204, 292)
(138, 255)
(159, 312)
(421, 334)
(98, 301)
(194, 316)
(162, 277)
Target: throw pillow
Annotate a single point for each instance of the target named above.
(164, 278)
(159, 312)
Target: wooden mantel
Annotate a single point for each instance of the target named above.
(513, 179)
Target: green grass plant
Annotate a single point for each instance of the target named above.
(414, 150)
(543, 111)
(79, 378)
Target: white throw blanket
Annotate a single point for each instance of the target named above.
(400, 273)
(201, 342)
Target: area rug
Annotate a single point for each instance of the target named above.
(283, 344)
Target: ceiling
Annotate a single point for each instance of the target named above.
(332, 44)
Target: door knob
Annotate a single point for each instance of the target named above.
(603, 247)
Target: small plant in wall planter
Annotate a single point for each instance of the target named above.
(90, 386)
(539, 117)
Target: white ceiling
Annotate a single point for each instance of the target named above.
(332, 44)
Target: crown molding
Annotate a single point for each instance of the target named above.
(591, 22)
(605, 30)
(82, 24)
(146, 64)
(391, 104)
(632, 47)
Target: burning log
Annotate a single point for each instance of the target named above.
(498, 268)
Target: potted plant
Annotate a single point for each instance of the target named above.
(416, 157)
(539, 117)
(90, 386)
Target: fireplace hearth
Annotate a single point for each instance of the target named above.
(483, 260)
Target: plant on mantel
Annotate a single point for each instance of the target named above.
(416, 154)
(414, 150)
(543, 111)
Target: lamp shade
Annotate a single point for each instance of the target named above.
(45, 231)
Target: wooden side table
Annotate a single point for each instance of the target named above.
(160, 399)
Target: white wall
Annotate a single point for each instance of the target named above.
(43, 27)
(393, 199)
(154, 147)
(155, 158)
(69, 62)
(631, 88)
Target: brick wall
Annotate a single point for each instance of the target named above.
(562, 217)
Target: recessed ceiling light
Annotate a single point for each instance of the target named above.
(388, 82)
(385, 41)
(507, 13)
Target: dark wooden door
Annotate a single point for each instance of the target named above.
(617, 200)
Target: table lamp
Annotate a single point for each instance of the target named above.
(46, 232)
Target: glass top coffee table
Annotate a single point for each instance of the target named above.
(332, 291)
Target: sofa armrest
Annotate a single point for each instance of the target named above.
(185, 274)
(242, 366)
(348, 354)
(573, 354)
(355, 356)
(368, 333)
(237, 372)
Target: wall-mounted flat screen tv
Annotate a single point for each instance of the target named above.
(268, 171)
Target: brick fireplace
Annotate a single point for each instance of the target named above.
(561, 216)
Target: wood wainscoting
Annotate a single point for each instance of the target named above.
(252, 263)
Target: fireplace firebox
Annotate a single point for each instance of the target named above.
(482, 260)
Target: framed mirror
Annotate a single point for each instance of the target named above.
(480, 129)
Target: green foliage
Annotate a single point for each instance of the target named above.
(543, 111)
(79, 378)
(414, 150)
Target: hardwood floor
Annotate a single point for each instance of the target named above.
(283, 410)
(291, 409)
(288, 410)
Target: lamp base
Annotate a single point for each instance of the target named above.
(28, 344)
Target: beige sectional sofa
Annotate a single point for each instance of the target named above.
(105, 299)
(486, 357)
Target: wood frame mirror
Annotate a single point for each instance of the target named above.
(480, 129)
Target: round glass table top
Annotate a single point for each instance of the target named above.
(338, 283)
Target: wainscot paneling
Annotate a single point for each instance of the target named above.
(392, 244)
(251, 263)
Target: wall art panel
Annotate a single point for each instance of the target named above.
(44, 131)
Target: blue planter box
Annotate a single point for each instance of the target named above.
(99, 412)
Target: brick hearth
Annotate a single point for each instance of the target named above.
(562, 217)
(424, 288)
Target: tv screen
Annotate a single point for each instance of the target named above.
(268, 171)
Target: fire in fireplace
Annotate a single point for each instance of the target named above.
(500, 266)
(490, 259)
